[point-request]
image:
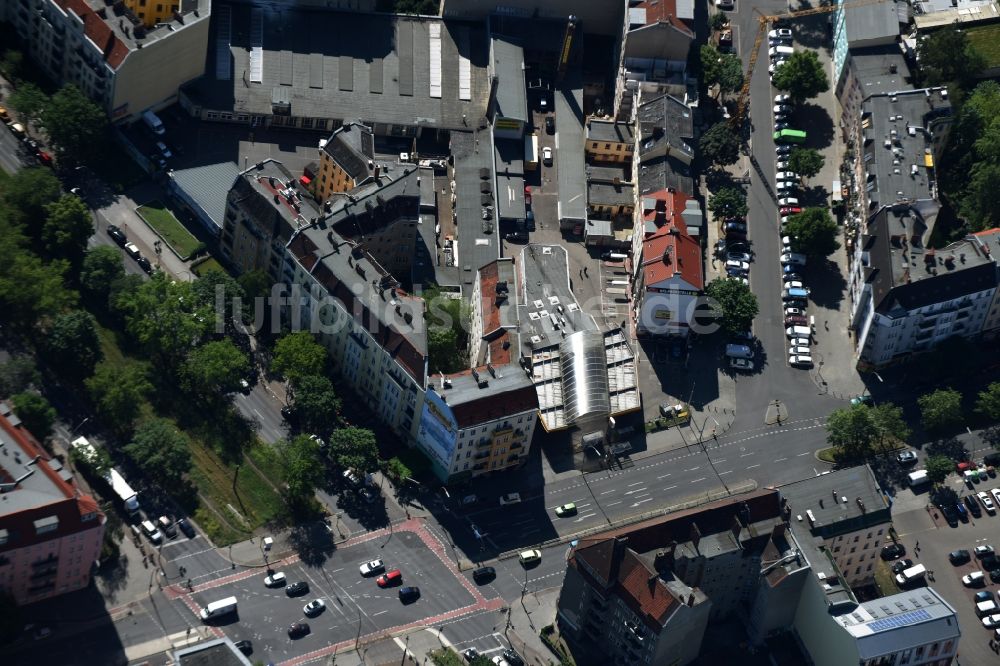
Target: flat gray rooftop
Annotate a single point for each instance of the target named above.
(508, 66)
(823, 496)
(474, 185)
(609, 194)
(610, 131)
(379, 68)
(569, 154)
(873, 69)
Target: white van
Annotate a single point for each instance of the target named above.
(918, 478)
(780, 51)
(798, 332)
(219, 608)
(984, 608)
(154, 124)
(152, 533)
(911, 574)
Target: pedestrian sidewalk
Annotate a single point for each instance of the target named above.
(527, 617)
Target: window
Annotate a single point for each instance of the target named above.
(159, 9)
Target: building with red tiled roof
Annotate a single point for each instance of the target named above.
(644, 594)
(50, 532)
(669, 276)
(127, 58)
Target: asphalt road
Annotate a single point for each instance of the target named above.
(10, 151)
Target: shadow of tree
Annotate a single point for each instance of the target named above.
(950, 446)
(827, 283)
(313, 542)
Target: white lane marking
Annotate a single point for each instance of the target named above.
(697, 480)
(670, 487)
(780, 459)
(657, 478)
(752, 466)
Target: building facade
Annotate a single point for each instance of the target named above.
(609, 141)
(345, 160)
(125, 62)
(50, 533)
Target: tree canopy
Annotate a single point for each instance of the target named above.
(728, 202)
(806, 162)
(938, 467)
(946, 56)
(889, 423)
(35, 413)
(852, 429)
(118, 392)
(446, 333)
(298, 355)
(814, 233)
(77, 126)
(17, 374)
(28, 194)
(971, 165)
(68, 226)
(161, 451)
(940, 409)
(316, 404)
(102, 265)
(988, 402)
(355, 448)
(736, 303)
(722, 69)
(720, 145)
(302, 472)
(72, 344)
(216, 368)
(29, 101)
(802, 76)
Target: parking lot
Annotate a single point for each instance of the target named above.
(356, 607)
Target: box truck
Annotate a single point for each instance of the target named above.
(218, 608)
(129, 497)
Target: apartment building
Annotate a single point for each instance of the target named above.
(124, 61)
(908, 298)
(845, 511)
(988, 242)
(50, 532)
(609, 141)
(346, 160)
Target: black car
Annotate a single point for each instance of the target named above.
(484, 575)
(893, 551)
(184, 526)
(990, 562)
(995, 575)
(246, 647)
(296, 589)
(409, 594)
(899, 566)
(950, 515)
(512, 658)
(958, 557)
(529, 220)
(117, 235)
(144, 264)
(298, 629)
(470, 654)
(973, 506)
(517, 237)
(550, 125)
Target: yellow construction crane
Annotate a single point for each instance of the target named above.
(764, 22)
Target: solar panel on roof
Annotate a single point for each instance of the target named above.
(896, 621)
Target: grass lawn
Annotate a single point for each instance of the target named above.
(884, 578)
(206, 266)
(986, 40)
(169, 227)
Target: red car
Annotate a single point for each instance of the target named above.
(527, 195)
(790, 210)
(44, 158)
(796, 320)
(388, 579)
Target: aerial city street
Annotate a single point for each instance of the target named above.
(446, 332)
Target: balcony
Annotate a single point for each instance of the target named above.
(482, 456)
(48, 561)
(516, 446)
(484, 441)
(927, 323)
(39, 575)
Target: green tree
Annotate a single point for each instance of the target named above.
(18, 374)
(30, 102)
(718, 21)
(163, 316)
(805, 161)
(28, 194)
(298, 355)
(316, 403)
(980, 202)
(988, 402)
(302, 472)
(102, 265)
(814, 233)
(397, 470)
(722, 69)
(96, 462)
(68, 226)
(119, 392)
(938, 467)
(446, 332)
(161, 451)
(77, 126)
(10, 67)
(72, 344)
(255, 284)
(30, 290)
(720, 145)
(940, 409)
(216, 368)
(946, 56)
(852, 430)
(35, 413)
(737, 305)
(889, 423)
(355, 448)
(217, 290)
(802, 76)
(728, 202)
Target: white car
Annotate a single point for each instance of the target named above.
(793, 311)
(786, 240)
(276, 579)
(497, 660)
(162, 147)
(974, 579)
(371, 568)
(996, 496)
(547, 156)
(782, 99)
(780, 33)
(794, 284)
(799, 350)
(527, 557)
(983, 551)
(786, 175)
(777, 62)
(313, 608)
(736, 264)
(133, 250)
(800, 360)
(799, 342)
(781, 108)
(510, 498)
(991, 621)
(987, 502)
(785, 186)
(781, 165)
(787, 201)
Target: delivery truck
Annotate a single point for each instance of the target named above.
(129, 497)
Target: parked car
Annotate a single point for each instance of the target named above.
(547, 156)
(991, 621)
(484, 575)
(983, 550)
(132, 250)
(741, 364)
(974, 579)
(796, 320)
(782, 99)
(987, 502)
(899, 566)
(958, 557)
(893, 551)
(739, 256)
(276, 579)
(983, 595)
(794, 312)
(550, 125)
(184, 526)
(800, 360)
(786, 175)
(790, 210)
(735, 226)
(117, 235)
(780, 33)
(783, 149)
(470, 654)
(970, 501)
(799, 350)
(144, 264)
(788, 201)
(513, 658)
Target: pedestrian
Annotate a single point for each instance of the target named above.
(917, 545)
(585, 271)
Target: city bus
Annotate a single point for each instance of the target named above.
(789, 136)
